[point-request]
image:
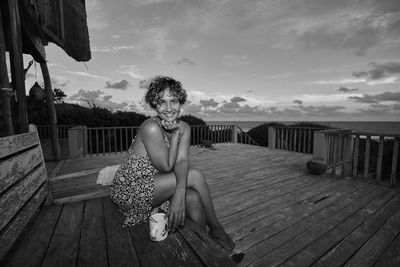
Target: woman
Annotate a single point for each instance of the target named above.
(156, 171)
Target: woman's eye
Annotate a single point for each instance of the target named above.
(174, 102)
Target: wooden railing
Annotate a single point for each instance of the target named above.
(244, 138)
(362, 153)
(297, 139)
(44, 131)
(108, 140)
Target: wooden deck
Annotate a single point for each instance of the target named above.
(276, 212)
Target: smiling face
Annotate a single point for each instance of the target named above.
(168, 106)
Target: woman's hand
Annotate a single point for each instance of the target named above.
(173, 127)
(176, 211)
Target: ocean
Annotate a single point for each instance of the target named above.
(374, 126)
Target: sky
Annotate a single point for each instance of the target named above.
(269, 60)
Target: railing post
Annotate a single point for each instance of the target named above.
(271, 137)
(234, 134)
(320, 145)
(75, 142)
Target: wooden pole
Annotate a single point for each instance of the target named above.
(6, 124)
(17, 66)
(51, 111)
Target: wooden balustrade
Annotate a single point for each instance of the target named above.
(362, 153)
(297, 139)
(108, 140)
(44, 131)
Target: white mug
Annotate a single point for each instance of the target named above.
(158, 224)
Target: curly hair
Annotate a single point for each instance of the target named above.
(158, 84)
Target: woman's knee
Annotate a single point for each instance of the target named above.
(195, 177)
(193, 198)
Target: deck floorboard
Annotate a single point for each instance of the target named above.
(276, 212)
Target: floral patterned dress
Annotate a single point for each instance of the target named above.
(133, 188)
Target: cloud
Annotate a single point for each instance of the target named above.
(123, 84)
(229, 107)
(386, 96)
(151, 2)
(209, 103)
(87, 74)
(132, 70)
(185, 62)
(383, 71)
(191, 45)
(339, 81)
(235, 61)
(154, 42)
(321, 110)
(341, 26)
(298, 102)
(82, 94)
(112, 49)
(347, 90)
(191, 108)
(107, 97)
(144, 84)
(97, 98)
(57, 82)
(237, 99)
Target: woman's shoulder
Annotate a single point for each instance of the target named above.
(184, 124)
(150, 125)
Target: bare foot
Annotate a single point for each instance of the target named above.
(222, 239)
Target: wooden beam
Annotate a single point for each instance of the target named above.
(17, 66)
(51, 112)
(6, 124)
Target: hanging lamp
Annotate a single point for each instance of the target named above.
(36, 92)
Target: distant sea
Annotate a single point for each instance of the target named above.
(375, 126)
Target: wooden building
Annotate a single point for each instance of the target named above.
(26, 27)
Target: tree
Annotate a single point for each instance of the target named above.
(59, 95)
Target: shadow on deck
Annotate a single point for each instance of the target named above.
(275, 211)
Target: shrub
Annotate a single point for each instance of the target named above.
(260, 132)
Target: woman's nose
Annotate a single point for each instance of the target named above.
(169, 106)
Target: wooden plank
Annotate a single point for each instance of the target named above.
(379, 160)
(173, 251)
(289, 215)
(15, 168)
(394, 162)
(63, 248)
(204, 247)
(334, 203)
(367, 154)
(13, 200)
(33, 247)
(335, 233)
(312, 231)
(355, 156)
(11, 232)
(391, 255)
(377, 244)
(15, 143)
(90, 194)
(351, 242)
(92, 246)
(55, 170)
(120, 249)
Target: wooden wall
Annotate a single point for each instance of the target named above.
(23, 184)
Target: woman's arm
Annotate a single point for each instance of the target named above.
(177, 203)
(161, 156)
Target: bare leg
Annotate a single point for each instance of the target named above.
(195, 209)
(165, 187)
(217, 232)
